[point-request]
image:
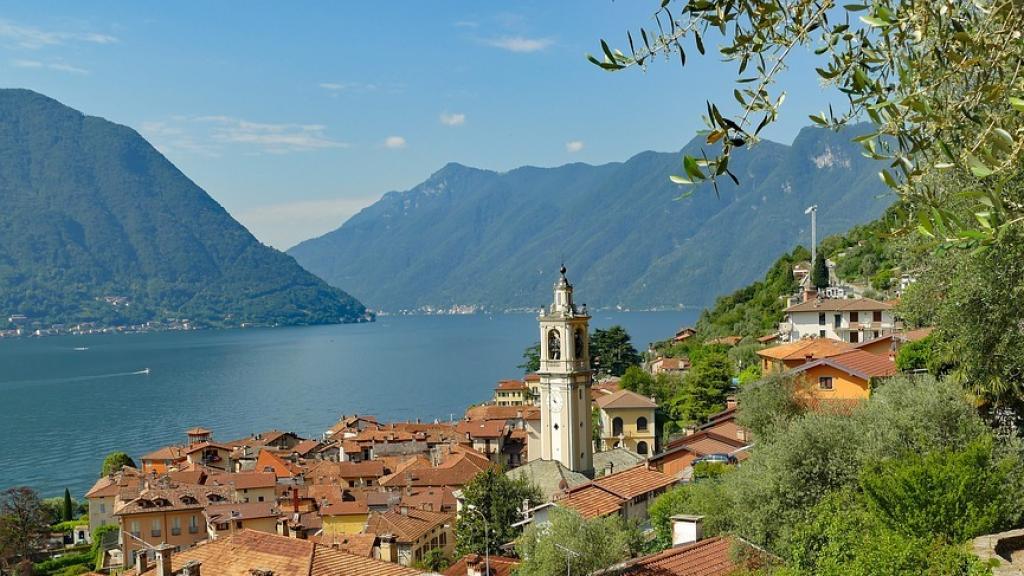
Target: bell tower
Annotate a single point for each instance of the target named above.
(565, 380)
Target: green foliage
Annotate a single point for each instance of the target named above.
(531, 358)
(24, 523)
(497, 501)
(67, 510)
(114, 462)
(637, 380)
(105, 214)
(102, 537)
(708, 498)
(757, 309)
(595, 544)
(882, 280)
(434, 560)
(68, 564)
(916, 355)
(749, 375)
(819, 272)
(612, 352)
(768, 406)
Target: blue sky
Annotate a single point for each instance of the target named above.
(296, 115)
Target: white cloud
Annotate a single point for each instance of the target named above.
(453, 119)
(32, 38)
(520, 44)
(574, 146)
(285, 225)
(58, 66)
(394, 142)
(209, 135)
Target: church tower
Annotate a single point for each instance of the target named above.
(565, 380)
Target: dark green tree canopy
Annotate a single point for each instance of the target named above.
(494, 502)
(612, 352)
(114, 462)
(819, 274)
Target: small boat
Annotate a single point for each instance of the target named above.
(80, 348)
(143, 371)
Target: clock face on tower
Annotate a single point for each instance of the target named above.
(556, 403)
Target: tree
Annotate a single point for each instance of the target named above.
(434, 560)
(705, 387)
(638, 380)
(819, 275)
(574, 544)
(495, 502)
(611, 351)
(114, 462)
(531, 358)
(67, 513)
(939, 81)
(24, 524)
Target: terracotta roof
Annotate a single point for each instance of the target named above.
(839, 304)
(634, 482)
(591, 501)
(703, 443)
(166, 453)
(202, 445)
(174, 497)
(433, 499)
(511, 385)
(198, 431)
(240, 553)
(492, 412)
(808, 347)
(709, 557)
(625, 399)
(859, 363)
(500, 565)
(103, 488)
(908, 336)
(457, 471)
(351, 447)
(193, 476)
(482, 428)
(346, 504)
(673, 363)
(268, 462)
(532, 377)
(245, 480)
(358, 544)
(305, 447)
(328, 472)
(407, 527)
(768, 338)
(241, 511)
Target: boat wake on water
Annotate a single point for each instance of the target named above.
(19, 383)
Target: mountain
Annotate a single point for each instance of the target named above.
(495, 240)
(96, 225)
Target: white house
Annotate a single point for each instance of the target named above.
(850, 320)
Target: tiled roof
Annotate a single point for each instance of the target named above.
(328, 472)
(859, 363)
(103, 488)
(710, 557)
(482, 428)
(166, 453)
(635, 481)
(532, 377)
(702, 443)
(245, 480)
(591, 501)
(175, 497)
(440, 499)
(198, 431)
(203, 445)
(500, 565)
(492, 412)
(802, 349)
(305, 447)
(511, 385)
(625, 399)
(619, 458)
(550, 476)
(241, 511)
(268, 462)
(331, 562)
(839, 304)
(457, 471)
(407, 527)
(358, 544)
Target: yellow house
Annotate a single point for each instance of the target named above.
(511, 393)
(627, 420)
(171, 514)
(786, 356)
(344, 516)
(845, 377)
(407, 534)
(228, 518)
(248, 486)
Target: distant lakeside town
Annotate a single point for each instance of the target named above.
(584, 431)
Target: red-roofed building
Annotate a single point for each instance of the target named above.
(512, 393)
(844, 377)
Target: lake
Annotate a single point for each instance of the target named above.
(65, 408)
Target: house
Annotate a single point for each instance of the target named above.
(512, 393)
(628, 493)
(287, 474)
(167, 513)
(693, 555)
(249, 553)
(163, 460)
(533, 383)
(457, 469)
(406, 534)
(786, 356)
(209, 454)
(662, 365)
(684, 334)
(627, 420)
(346, 474)
(889, 345)
(110, 493)
(550, 476)
(226, 518)
(719, 435)
(486, 437)
(846, 376)
(248, 486)
(850, 320)
(342, 511)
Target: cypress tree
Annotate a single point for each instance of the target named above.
(819, 275)
(68, 512)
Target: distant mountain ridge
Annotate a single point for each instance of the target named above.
(96, 225)
(471, 237)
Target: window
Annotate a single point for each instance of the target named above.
(837, 320)
(176, 526)
(821, 333)
(193, 525)
(876, 316)
(821, 318)
(260, 499)
(877, 334)
(825, 382)
(154, 529)
(854, 317)
(136, 530)
(641, 448)
(641, 424)
(617, 426)
(103, 508)
(554, 345)
(854, 337)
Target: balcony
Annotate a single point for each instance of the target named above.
(175, 531)
(155, 533)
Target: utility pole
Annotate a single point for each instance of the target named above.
(813, 211)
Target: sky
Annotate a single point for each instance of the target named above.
(296, 115)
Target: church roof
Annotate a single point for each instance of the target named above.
(625, 399)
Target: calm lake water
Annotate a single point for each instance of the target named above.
(63, 409)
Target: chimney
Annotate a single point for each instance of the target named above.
(191, 568)
(730, 403)
(474, 565)
(691, 430)
(141, 561)
(163, 559)
(388, 548)
(810, 293)
(686, 529)
(610, 470)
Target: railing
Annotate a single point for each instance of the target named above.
(155, 533)
(175, 531)
(193, 529)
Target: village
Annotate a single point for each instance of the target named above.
(371, 497)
